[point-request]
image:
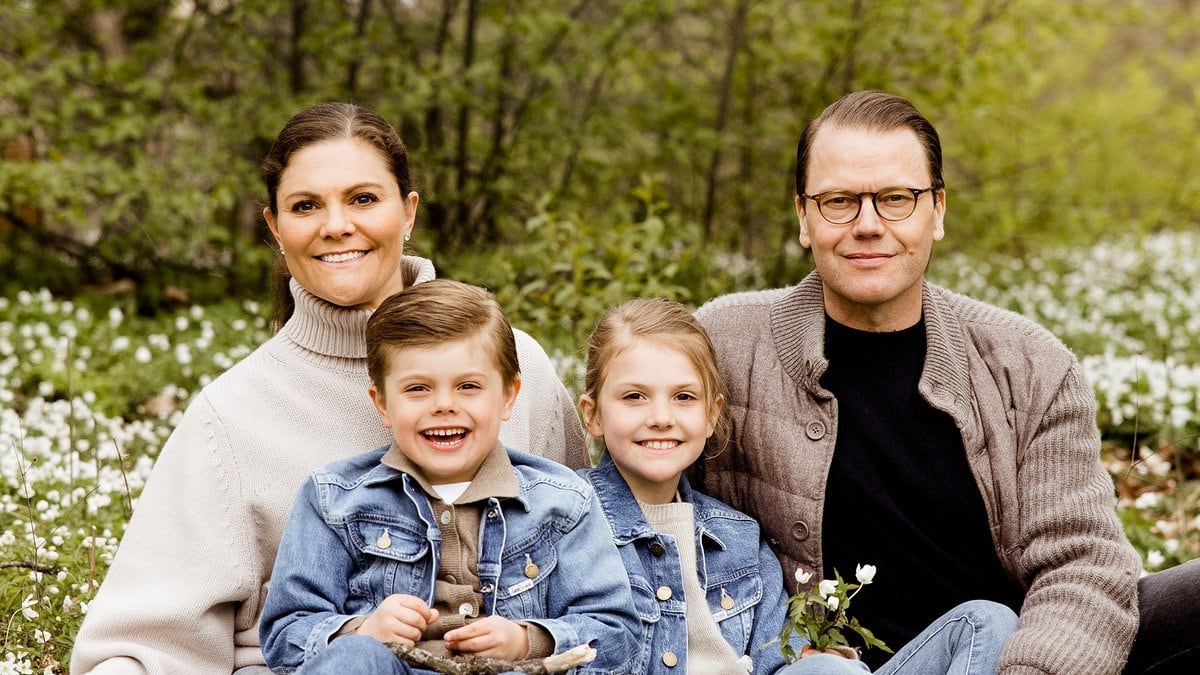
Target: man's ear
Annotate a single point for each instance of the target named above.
(805, 239)
(939, 214)
(591, 416)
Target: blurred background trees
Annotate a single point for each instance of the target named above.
(619, 146)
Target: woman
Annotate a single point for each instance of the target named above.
(185, 590)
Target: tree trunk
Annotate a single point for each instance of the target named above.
(724, 94)
(459, 228)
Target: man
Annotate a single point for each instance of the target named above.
(881, 419)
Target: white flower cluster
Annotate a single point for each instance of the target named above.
(87, 398)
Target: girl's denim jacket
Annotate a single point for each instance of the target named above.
(742, 578)
(360, 531)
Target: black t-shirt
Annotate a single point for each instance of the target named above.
(901, 495)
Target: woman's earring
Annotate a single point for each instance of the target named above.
(407, 237)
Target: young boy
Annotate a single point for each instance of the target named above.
(445, 539)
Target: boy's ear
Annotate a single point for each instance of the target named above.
(380, 405)
(591, 416)
(511, 397)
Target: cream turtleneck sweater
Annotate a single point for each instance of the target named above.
(185, 590)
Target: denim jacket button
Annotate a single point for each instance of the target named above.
(663, 593)
(815, 430)
(799, 530)
(727, 601)
(487, 588)
(657, 549)
(669, 659)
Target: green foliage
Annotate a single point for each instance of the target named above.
(134, 129)
(563, 271)
(821, 614)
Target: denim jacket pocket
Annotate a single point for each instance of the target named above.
(524, 572)
(646, 605)
(388, 554)
(733, 603)
(644, 601)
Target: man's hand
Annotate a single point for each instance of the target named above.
(492, 636)
(399, 618)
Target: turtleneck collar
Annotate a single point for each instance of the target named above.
(332, 330)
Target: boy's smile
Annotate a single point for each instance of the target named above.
(444, 404)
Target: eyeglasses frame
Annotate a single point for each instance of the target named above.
(917, 192)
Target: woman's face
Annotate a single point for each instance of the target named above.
(342, 222)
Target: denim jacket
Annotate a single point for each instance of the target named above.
(733, 561)
(360, 531)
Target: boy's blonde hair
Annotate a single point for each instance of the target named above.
(437, 312)
(670, 325)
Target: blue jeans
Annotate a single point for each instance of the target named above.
(967, 640)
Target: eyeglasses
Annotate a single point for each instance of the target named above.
(841, 206)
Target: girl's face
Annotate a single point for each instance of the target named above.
(342, 222)
(444, 404)
(654, 416)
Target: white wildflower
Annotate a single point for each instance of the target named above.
(832, 602)
(802, 577)
(865, 574)
(827, 587)
(27, 607)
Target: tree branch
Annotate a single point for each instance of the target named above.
(481, 665)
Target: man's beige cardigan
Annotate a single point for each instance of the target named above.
(1027, 418)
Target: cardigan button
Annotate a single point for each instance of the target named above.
(800, 530)
(815, 430)
(670, 660)
(657, 549)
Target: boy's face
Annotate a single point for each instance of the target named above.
(444, 404)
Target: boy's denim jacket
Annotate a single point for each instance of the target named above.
(741, 576)
(360, 531)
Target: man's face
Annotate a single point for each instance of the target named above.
(871, 268)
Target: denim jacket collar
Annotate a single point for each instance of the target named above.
(496, 477)
(625, 517)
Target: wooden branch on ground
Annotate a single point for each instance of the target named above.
(27, 564)
(481, 665)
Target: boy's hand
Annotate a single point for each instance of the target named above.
(399, 618)
(492, 636)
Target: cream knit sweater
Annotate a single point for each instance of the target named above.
(186, 588)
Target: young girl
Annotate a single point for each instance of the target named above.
(706, 585)
(445, 539)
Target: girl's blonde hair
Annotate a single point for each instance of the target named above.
(670, 325)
